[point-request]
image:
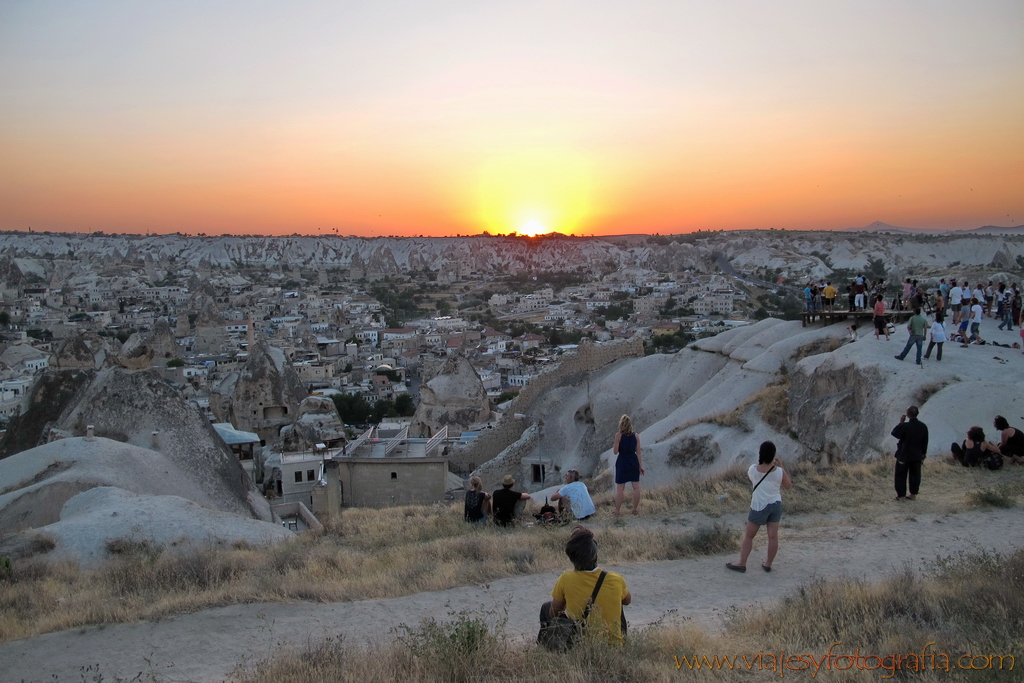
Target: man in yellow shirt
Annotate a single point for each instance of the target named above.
(829, 295)
(574, 588)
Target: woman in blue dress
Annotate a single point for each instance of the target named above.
(628, 464)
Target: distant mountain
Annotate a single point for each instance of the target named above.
(997, 230)
(879, 226)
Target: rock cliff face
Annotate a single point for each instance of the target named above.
(128, 406)
(209, 328)
(316, 421)
(263, 397)
(815, 394)
(86, 351)
(797, 253)
(87, 492)
(144, 349)
(51, 395)
(455, 397)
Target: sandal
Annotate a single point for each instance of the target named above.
(735, 567)
(766, 567)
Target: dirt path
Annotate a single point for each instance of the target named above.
(208, 645)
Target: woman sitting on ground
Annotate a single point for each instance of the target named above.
(1012, 443)
(478, 502)
(972, 452)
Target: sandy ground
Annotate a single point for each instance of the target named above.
(209, 645)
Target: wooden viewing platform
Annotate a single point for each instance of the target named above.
(832, 317)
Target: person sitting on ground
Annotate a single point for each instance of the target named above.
(478, 502)
(579, 497)
(505, 500)
(1012, 441)
(972, 453)
(574, 588)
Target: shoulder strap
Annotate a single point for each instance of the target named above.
(593, 596)
(762, 478)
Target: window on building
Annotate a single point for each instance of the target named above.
(538, 474)
(298, 477)
(310, 475)
(394, 475)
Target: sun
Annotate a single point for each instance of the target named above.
(532, 228)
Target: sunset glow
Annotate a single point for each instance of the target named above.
(459, 117)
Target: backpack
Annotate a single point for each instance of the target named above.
(994, 461)
(562, 632)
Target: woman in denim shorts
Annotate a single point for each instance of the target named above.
(768, 478)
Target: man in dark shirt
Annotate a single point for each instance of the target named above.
(504, 502)
(910, 453)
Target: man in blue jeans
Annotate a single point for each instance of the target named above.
(916, 325)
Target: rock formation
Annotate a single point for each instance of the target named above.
(86, 351)
(152, 347)
(263, 397)
(129, 406)
(708, 407)
(84, 493)
(316, 421)
(455, 397)
(209, 328)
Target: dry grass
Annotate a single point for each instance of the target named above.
(405, 550)
(863, 488)
(372, 554)
(774, 405)
(969, 605)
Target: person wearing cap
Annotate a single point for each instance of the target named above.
(504, 501)
(577, 494)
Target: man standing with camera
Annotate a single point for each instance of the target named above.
(910, 453)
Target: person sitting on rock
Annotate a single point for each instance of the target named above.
(578, 496)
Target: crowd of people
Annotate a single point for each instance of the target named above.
(998, 300)
(590, 598)
(573, 497)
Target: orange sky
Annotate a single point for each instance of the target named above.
(587, 118)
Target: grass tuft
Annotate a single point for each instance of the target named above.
(988, 497)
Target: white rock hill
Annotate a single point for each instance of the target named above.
(815, 394)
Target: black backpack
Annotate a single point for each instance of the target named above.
(994, 461)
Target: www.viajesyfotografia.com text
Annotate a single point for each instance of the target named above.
(928, 659)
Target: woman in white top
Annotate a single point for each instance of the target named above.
(768, 479)
(938, 333)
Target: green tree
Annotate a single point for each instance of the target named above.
(384, 407)
(352, 408)
(404, 405)
(175, 363)
(5, 318)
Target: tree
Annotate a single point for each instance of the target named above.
(5, 318)
(175, 363)
(404, 405)
(351, 408)
(875, 270)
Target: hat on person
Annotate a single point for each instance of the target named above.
(507, 480)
